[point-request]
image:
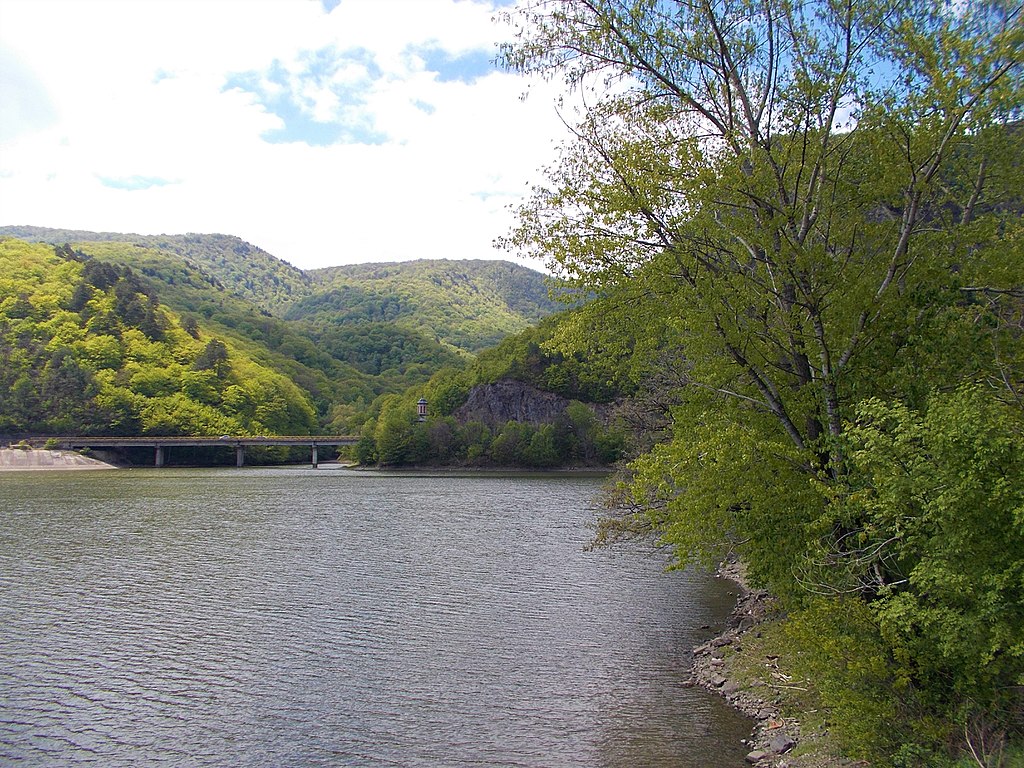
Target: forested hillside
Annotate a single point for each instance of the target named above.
(467, 304)
(344, 338)
(230, 263)
(522, 403)
(124, 335)
(88, 347)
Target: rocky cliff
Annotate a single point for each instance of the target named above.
(504, 401)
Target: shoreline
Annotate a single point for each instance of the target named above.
(40, 460)
(778, 739)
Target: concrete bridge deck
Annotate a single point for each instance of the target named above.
(160, 444)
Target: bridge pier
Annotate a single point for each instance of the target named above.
(162, 443)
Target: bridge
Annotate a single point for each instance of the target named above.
(160, 444)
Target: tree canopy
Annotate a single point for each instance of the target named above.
(87, 347)
(815, 207)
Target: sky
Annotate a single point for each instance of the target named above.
(325, 132)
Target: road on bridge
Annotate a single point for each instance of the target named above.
(160, 444)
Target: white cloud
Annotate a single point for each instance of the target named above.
(171, 116)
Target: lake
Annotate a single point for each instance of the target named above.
(300, 617)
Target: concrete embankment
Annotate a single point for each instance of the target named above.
(18, 459)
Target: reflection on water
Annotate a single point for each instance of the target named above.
(323, 618)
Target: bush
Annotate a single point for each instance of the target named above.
(837, 648)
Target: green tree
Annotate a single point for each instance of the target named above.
(190, 325)
(214, 357)
(478, 438)
(541, 450)
(791, 260)
(510, 445)
(719, 184)
(394, 432)
(939, 503)
(365, 451)
(444, 445)
(813, 204)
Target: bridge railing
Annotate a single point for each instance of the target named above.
(189, 440)
(162, 442)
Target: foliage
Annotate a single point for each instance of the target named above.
(381, 349)
(227, 263)
(344, 335)
(202, 298)
(467, 304)
(726, 484)
(88, 348)
(763, 242)
(938, 508)
(537, 356)
(836, 647)
(394, 436)
(814, 211)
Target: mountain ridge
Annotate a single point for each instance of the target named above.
(344, 334)
(454, 288)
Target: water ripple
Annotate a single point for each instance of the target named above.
(300, 618)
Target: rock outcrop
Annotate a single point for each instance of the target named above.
(508, 400)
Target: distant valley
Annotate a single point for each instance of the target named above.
(208, 334)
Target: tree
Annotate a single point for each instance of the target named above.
(394, 434)
(797, 189)
(541, 450)
(214, 357)
(510, 445)
(190, 325)
(817, 204)
(938, 499)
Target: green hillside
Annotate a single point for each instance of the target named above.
(88, 347)
(344, 336)
(229, 262)
(467, 304)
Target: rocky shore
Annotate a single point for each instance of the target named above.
(27, 459)
(722, 665)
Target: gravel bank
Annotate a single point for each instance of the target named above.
(778, 740)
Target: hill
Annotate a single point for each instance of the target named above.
(344, 335)
(87, 346)
(469, 305)
(232, 264)
(466, 305)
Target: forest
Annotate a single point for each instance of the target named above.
(106, 337)
(87, 347)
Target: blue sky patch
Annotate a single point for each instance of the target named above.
(466, 68)
(134, 183)
(290, 95)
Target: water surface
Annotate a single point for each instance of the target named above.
(298, 617)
